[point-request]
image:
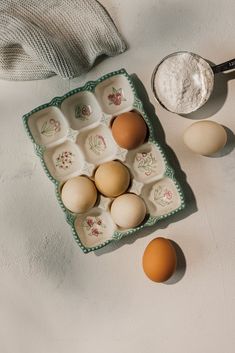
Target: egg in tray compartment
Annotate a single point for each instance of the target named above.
(97, 145)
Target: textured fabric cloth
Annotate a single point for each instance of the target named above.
(41, 38)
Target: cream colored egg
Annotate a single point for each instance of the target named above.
(112, 178)
(205, 137)
(79, 194)
(128, 210)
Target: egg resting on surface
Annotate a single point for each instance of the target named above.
(159, 260)
(129, 130)
(79, 194)
(128, 210)
(112, 178)
(205, 137)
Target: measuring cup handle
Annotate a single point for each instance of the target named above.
(228, 65)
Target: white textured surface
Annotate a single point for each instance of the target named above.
(55, 299)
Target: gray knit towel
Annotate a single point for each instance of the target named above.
(41, 38)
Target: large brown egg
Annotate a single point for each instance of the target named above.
(129, 130)
(159, 260)
(112, 178)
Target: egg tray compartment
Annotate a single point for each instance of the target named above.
(72, 136)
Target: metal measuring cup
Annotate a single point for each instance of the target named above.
(211, 70)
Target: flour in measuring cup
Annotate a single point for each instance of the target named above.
(183, 82)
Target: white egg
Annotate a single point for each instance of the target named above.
(128, 210)
(79, 194)
(205, 137)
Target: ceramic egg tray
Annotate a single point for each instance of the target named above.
(72, 136)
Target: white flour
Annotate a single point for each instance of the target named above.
(183, 82)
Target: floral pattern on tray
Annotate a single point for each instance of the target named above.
(116, 97)
(163, 196)
(64, 160)
(146, 163)
(97, 144)
(50, 127)
(82, 112)
(94, 226)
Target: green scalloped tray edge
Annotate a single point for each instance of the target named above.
(39, 150)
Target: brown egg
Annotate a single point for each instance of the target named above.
(112, 178)
(129, 130)
(159, 260)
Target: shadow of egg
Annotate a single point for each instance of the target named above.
(180, 267)
(229, 146)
